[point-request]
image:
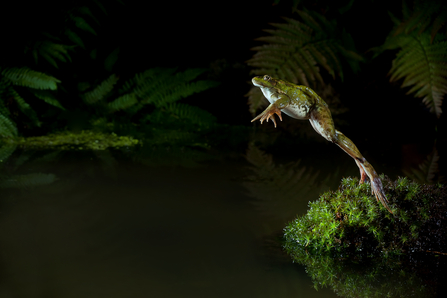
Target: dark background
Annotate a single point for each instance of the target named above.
(219, 36)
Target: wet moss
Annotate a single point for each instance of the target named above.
(85, 140)
(350, 242)
(351, 220)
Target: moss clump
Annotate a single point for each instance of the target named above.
(351, 243)
(351, 221)
(84, 140)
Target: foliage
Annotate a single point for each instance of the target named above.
(350, 220)
(56, 43)
(422, 65)
(297, 49)
(154, 93)
(11, 80)
(428, 171)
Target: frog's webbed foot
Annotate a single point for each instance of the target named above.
(377, 190)
(269, 113)
(376, 184)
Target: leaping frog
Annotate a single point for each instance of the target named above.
(301, 102)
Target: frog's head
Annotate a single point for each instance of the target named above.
(264, 81)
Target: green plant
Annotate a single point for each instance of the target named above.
(299, 49)
(349, 221)
(17, 81)
(422, 58)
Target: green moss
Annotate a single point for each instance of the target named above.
(350, 242)
(85, 140)
(351, 220)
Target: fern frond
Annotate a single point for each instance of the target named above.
(425, 16)
(161, 86)
(6, 150)
(7, 127)
(25, 108)
(296, 50)
(428, 171)
(48, 98)
(423, 66)
(74, 38)
(101, 90)
(123, 102)
(30, 78)
(170, 93)
(82, 24)
(190, 113)
(52, 52)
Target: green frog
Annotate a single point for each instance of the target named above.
(301, 102)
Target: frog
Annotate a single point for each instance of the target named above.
(303, 103)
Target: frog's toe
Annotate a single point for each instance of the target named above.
(273, 119)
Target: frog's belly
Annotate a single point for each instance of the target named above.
(296, 111)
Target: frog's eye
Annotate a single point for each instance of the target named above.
(267, 78)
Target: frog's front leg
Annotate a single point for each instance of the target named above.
(274, 108)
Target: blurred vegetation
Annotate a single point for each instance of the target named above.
(313, 49)
(62, 90)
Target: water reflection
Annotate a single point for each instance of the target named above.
(123, 224)
(110, 227)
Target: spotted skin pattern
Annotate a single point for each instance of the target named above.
(301, 102)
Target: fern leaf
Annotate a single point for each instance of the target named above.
(423, 17)
(7, 127)
(152, 80)
(74, 38)
(166, 96)
(296, 50)
(423, 66)
(161, 86)
(48, 98)
(82, 24)
(428, 171)
(190, 113)
(111, 59)
(25, 108)
(100, 91)
(52, 52)
(6, 150)
(123, 102)
(30, 78)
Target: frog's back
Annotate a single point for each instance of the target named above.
(302, 102)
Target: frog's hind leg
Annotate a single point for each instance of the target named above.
(366, 169)
(322, 122)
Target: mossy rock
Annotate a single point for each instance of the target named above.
(351, 220)
(350, 242)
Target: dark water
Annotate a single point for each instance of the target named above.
(108, 224)
(130, 230)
